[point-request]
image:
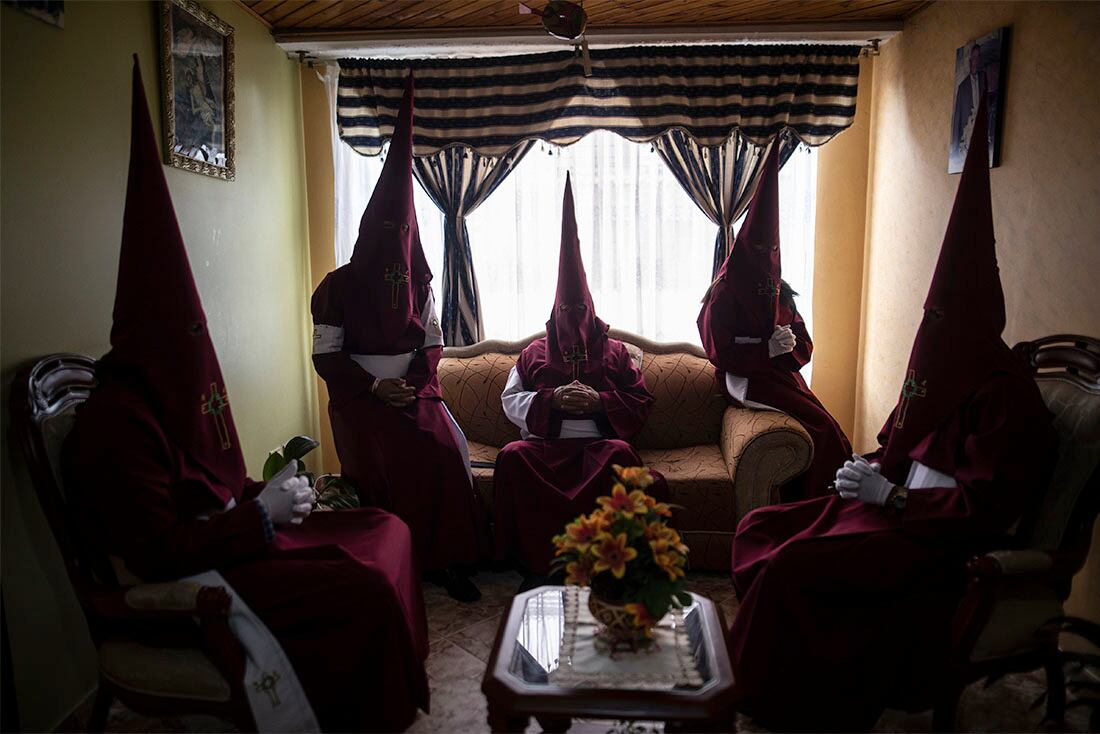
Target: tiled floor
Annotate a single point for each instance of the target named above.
(461, 636)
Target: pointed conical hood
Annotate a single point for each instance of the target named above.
(747, 285)
(575, 336)
(958, 344)
(388, 259)
(159, 326)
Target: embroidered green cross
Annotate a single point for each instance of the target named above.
(909, 389)
(768, 288)
(396, 276)
(574, 356)
(215, 405)
(266, 684)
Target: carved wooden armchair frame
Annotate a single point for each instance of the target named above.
(1040, 570)
(147, 636)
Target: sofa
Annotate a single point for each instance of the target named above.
(720, 461)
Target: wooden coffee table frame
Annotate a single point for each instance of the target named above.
(512, 701)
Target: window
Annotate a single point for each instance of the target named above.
(647, 248)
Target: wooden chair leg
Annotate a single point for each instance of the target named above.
(101, 708)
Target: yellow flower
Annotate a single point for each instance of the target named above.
(582, 531)
(626, 504)
(612, 554)
(579, 572)
(670, 563)
(642, 617)
(638, 476)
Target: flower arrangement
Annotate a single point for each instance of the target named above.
(625, 551)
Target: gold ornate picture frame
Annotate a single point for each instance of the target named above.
(197, 79)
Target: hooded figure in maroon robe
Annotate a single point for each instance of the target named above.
(758, 342)
(577, 398)
(846, 600)
(155, 455)
(377, 342)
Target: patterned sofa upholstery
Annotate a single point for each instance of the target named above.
(720, 461)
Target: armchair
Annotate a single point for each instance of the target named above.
(164, 648)
(1007, 621)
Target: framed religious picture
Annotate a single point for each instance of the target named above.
(980, 68)
(196, 60)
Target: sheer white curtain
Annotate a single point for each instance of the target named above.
(647, 248)
(355, 176)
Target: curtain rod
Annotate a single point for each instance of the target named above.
(324, 46)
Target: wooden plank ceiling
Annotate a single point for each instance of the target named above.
(404, 15)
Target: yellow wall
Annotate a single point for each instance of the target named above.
(65, 141)
(838, 257)
(1046, 193)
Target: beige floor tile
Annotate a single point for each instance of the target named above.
(477, 639)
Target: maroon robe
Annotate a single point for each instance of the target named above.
(745, 301)
(154, 451)
(405, 460)
(340, 592)
(545, 481)
(845, 606)
(541, 484)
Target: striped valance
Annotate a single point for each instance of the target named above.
(492, 104)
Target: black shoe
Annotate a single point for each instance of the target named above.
(458, 587)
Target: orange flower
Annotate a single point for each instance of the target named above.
(582, 531)
(638, 476)
(612, 554)
(626, 504)
(561, 544)
(670, 563)
(655, 530)
(642, 617)
(579, 572)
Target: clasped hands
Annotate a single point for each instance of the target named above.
(577, 398)
(395, 392)
(782, 341)
(861, 480)
(287, 497)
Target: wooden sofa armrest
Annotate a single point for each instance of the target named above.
(762, 449)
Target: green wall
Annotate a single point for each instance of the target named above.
(64, 144)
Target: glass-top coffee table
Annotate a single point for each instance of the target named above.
(541, 668)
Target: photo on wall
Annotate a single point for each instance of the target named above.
(980, 69)
(197, 89)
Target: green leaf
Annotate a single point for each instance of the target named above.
(275, 462)
(299, 446)
(684, 598)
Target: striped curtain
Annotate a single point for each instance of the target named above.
(492, 104)
(458, 180)
(720, 179)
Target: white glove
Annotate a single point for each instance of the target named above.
(287, 498)
(782, 341)
(859, 480)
